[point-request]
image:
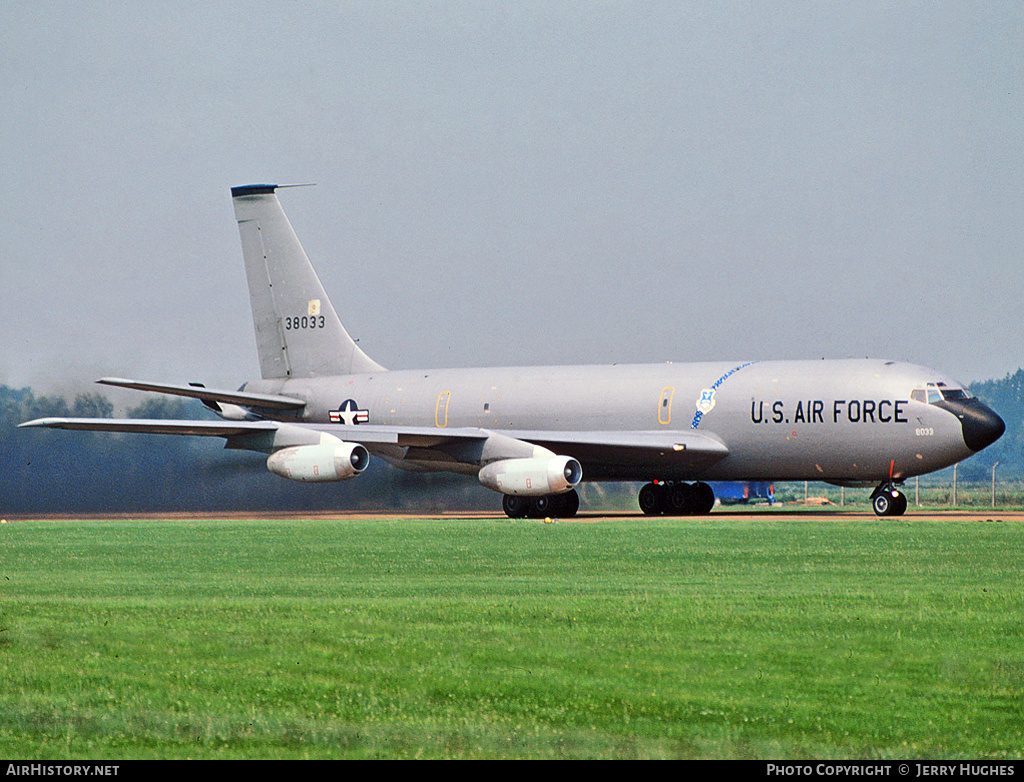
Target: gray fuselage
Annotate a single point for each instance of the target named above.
(845, 421)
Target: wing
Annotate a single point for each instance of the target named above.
(604, 455)
(634, 456)
(227, 429)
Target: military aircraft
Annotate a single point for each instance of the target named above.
(533, 434)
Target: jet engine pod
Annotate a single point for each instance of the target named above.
(533, 477)
(325, 462)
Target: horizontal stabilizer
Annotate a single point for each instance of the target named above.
(272, 401)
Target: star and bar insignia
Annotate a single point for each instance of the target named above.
(349, 414)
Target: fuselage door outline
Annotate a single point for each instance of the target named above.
(665, 406)
(441, 411)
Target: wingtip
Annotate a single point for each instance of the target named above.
(40, 423)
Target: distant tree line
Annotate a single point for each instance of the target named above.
(51, 471)
(1006, 397)
(44, 471)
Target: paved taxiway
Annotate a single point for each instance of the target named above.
(811, 515)
(754, 516)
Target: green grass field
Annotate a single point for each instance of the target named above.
(721, 637)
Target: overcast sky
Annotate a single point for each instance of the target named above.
(515, 183)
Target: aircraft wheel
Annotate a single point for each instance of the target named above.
(539, 507)
(900, 505)
(889, 502)
(679, 499)
(703, 499)
(568, 504)
(650, 499)
(514, 507)
(883, 503)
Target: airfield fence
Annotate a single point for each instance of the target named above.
(934, 491)
(928, 491)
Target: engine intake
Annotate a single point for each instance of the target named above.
(325, 462)
(533, 477)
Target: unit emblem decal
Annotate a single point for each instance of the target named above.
(706, 403)
(349, 414)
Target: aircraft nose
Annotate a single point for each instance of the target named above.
(981, 424)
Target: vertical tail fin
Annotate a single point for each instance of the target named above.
(298, 333)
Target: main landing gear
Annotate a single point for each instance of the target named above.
(556, 506)
(887, 500)
(677, 499)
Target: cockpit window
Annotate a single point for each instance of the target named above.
(936, 392)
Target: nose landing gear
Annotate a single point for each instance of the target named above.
(887, 500)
